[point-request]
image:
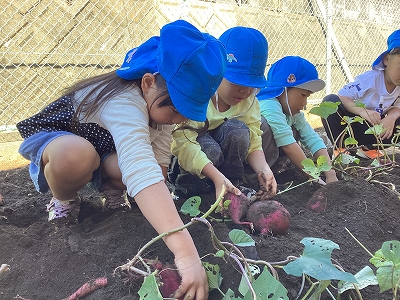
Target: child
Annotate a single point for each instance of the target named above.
(379, 90)
(231, 140)
(290, 81)
(117, 128)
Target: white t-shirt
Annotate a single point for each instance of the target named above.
(369, 88)
(140, 149)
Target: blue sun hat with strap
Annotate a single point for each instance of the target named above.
(247, 54)
(393, 41)
(291, 71)
(192, 64)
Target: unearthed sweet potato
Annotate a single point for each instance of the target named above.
(238, 207)
(269, 217)
(318, 201)
(88, 288)
(168, 277)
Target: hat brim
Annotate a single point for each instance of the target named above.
(379, 59)
(273, 91)
(246, 80)
(312, 86)
(192, 112)
(269, 93)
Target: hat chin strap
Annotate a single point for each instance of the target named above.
(287, 102)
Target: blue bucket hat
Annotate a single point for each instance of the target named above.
(247, 54)
(192, 64)
(291, 71)
(393, 41)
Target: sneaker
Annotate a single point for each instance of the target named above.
(114, 199)
(64, 209)
(369, 154)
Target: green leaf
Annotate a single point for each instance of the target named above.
(325, 109)
(391, 250)
(388, 259)
(375, 130)
(346, 120)
(347, 159)
(358, 103)
(243, 286)
(315, 170)
(350, 141)
(241, 238)
(213, 275)
(316, 261)
(379, 260)
(267, 287)
(191, 206)
(388, 276)
(230, 295)
(323, 164)
(365, 277)
(149, 289)
(219, 253)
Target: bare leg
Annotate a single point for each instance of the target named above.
(111, 173)
(68, 164)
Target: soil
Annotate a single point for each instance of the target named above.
(50, 261)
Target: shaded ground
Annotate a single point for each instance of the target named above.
(50, 262)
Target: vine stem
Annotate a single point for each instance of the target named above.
(162, 235)
(358, 242)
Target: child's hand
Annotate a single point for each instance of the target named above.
(387, 123)
(268, 185)
(330, 176)
(371, 116)
(229, 188)
(194, 284)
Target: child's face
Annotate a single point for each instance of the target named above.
(297, 99)
(392, 71)
(164, 114)
(232, 94)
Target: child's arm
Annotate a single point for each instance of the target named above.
(219, 179)
(389, 122)
(330, 176)
(295, 154)
(157, 206)
(257, 162)
(372, 116)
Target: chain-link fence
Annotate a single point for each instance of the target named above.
(46, 45)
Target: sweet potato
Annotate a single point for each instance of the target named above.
(88, 288)
(170, 280)
(318, 201)
(168, 277)
(269, 217)
(238, 207)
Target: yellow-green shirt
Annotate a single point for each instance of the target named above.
(184, 142)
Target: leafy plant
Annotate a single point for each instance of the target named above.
(387, 261)
(345, 161)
